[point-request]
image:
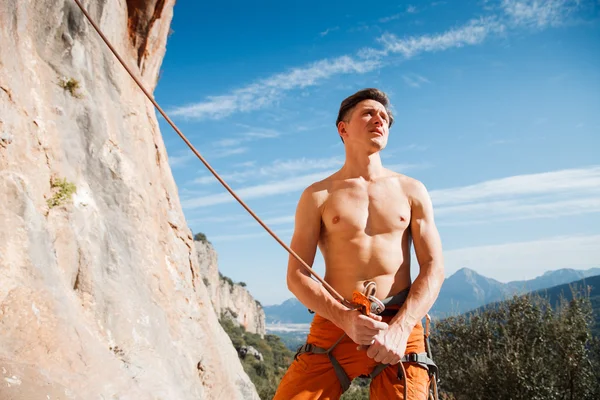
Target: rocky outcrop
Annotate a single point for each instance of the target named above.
(228, 298)
(249, 351)
(100, 289)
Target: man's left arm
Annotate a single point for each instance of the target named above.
(390, 347)
(428, 248)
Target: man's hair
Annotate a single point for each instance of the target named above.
(349, 103)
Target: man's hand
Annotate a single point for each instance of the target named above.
(362, 329)
(389, 345)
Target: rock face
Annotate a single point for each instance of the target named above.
(228, 297)
(100, 290)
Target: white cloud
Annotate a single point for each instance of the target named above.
(526, 260)
(223, 218)
(472, 33)
(180, 159)
(286, 219)
(228, 142)
(499, 211)
(414, 147)
(414, 80)
(264, 92)
(409, 10)
(276, 168)
(209, 179)
(328, 30)
(246, 137)
(544, 195)
(300, 164)
(246, 164)
(569, 181)
(236, 237)
(228, 152)
(244, 236)
(390, 18)
(538, 13)
(401, 168)
(258, 191)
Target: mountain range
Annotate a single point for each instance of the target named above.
(463, 291)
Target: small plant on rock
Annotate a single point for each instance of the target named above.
(71, 85)
(63, 192)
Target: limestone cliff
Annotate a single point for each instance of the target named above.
(100, 291)
(226, 296)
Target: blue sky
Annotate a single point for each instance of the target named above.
(497, 113)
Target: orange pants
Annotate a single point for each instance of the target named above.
(311, 376)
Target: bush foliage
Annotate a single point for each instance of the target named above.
(520, 349)
(63, 190)
(200, 237)
(227, 279)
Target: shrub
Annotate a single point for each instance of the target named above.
(71, 85)
(519, 349)
(200, 237)
(64, 191)
(226, 279)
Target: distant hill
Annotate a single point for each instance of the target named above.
(554, 278)
(466, 289)
(463, 291)
(290, 311)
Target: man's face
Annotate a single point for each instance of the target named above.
(367, 126)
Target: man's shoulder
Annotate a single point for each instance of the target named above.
(407, 182)
(319, 190)
(412, 187)
(321, 186)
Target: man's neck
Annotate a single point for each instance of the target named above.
(368, 167)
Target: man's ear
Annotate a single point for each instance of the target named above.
(342, 129)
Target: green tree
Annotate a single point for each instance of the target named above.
(520, 349)
(200, 237)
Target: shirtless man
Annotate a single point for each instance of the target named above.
(364, 218)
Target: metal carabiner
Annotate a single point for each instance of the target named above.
(366, 301)
(377, 306)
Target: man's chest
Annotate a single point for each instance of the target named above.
(372, 211)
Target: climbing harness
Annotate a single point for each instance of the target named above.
(433, 375)
(365, 302)
(423, 359)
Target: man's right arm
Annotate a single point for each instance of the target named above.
(311, 293)
(307, 231)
